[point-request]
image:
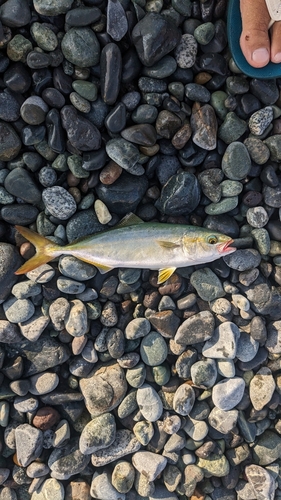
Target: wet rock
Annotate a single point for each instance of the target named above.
(181, 194)
(204, 125)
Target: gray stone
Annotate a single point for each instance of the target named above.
(59, 202)
(102, 488)
(125, 443)
(262, 387)
(149, 464)
(149, 403)
(80, 46)
(204, 373)
(18, 310)
(184, 399)
(98, 434)
(67, 461)
(236, 161)
(153, 349)
(186, 51)
(207, 284)
(261, 481)
(223, 421)
(228, 393)
(223, 344)
(29, 444)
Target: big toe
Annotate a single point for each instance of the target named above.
(276, 42)
(254, 41)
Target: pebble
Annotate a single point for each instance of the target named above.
(223, 421)
(198, 328)
(153, 349)
(29, 444)
(186, 51)
(204, 373)
(149, 403)
(262, 387)
(236, 162)
(257, 217)
(67, 461)
(223, 343)
(59, 202)
(98, 434)
(228, 393)
(261, 481)
(18, 310)
(207, 284)
(243, 260)
(125, 443)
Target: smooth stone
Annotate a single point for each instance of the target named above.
(117, 24)
(144, 113)
(76, 321)
(81, 133)
(148, 463)
(135, 376)
(116, 119)
(187, 189)
(204, 33)
(183, 399)
(247, 347)
(195, 429)
(231, 188)
(223, 343)
(228, 393)
(260, 120)
(44, 37)
(149, 403)
(210, 183)
(59, 202)
(55, 132)
(18, 310)
(17, 77)
(258, 150)
(232, 128)
(15, 14)
(10, 261)
(9, 333)
(33, 111)
(124, 154)
(102, 488)
(34, 327)
(82, 223)
(71, 267)
(42, 274)
(244, 259)
(204, 125)
(29, 444)
(204, 373)
(272, 195)
(85, 89)
(261, 388)
(123, 476)
(98, 434)
(154, 37)
(110, 72)
(223, 421)
(261, 481)
(265, 90)
(217, 465)
(82, 16)
(43, 383)
(186, 51)
(125, 443)
(257, 217)
(197, 328)
(267, 448)
(67, 461)
(20, 183)
(167, 124)
(124, 195)
(153, 349)
(10, 143)
(52, 8)
(104, 389)
(147, 84)
(207, 284)
(236, 162)
(80, 46)
(162, 69)
(273, 144)
(136, 328)
(142, 134)
(222, 207)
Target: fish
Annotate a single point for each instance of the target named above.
(135, 244)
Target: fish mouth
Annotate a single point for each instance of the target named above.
(225, 248)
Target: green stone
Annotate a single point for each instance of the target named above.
(162, 69)
(161, 374)
(52, 7)
(236, 161)
(153, 349)
(80, 103)
(60, 163)
(262, 240)
(93, 309)
(85, 89)
(267, 448)
(87, 201)
(74, 163)
(204, 33)
(231, 188)
(44, 150)
(184, 7)
(145, 114)
(44, 37)
(274, 145)
(80, 46)
(128, 405)
(144, 432)
(44, 226)
(217, 101)
(136, 376)
(207, 284)
(222, 207)
(18, 48)
(215, 465)
(177, 90)
(258, 150)
(232, 128)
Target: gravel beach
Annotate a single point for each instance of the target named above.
(112, 386)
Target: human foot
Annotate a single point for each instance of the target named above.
(257, 46)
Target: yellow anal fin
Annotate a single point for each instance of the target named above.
(167, 244)
(129, 220)
(164, 274)
(101, 267)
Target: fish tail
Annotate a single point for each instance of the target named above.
(46, 250)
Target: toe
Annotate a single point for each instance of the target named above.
(276, 42)
(254, 41)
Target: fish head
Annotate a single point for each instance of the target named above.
(206, 246)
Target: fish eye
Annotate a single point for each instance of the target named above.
(212, 240)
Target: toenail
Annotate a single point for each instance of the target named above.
(260, 55)
(277, 57)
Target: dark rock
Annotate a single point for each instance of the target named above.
(124, 195)
(56, 140)
(10, 261)
(154, 37)
(180, 195)
(80, 46)
(9, 107)
(111, 71)
(10, 142)
(81, 133)
(20, 184)
(22, 214)
(15, 13)
(117, 24)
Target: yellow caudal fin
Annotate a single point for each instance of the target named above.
(46, 250)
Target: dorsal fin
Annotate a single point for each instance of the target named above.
(129, 220)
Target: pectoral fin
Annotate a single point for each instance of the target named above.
(101, 267)
(165, 274)
(167, 244)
